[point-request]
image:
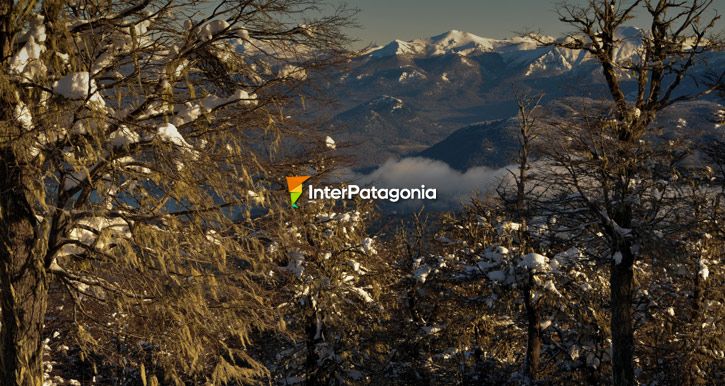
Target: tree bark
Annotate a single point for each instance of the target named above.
(621, 278)
(23, 282)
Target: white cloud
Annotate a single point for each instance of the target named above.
(453, 187)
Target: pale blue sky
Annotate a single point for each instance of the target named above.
(384, 20)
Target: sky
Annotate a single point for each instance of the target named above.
(384, 20)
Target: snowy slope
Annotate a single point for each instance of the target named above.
(458, 80)
(518, 50)
(453, 41)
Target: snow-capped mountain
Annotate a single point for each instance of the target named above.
(518, 50)
(454, 41)
(457, 79)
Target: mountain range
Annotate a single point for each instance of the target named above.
(451, 97)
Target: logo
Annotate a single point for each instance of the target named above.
(294, 185)
(350, 192)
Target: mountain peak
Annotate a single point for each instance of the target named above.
(450, 42)
(455, 41)
(397, 48)
(452, 34)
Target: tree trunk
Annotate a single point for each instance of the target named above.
(620, 281)
(24, 301)
(23, 283)
(533, 346)
(313, 332)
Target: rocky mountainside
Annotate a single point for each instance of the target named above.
(406, 96)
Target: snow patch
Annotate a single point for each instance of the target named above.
(704, 271)
(289, 71)
(330, 143)
(208, 30)
(77, 85)
(406, 76)
(123, 137)
(421, 274)
(362, 294)
(22, 115)
(169, 133)
(212, 102)
(544, 325)
(30, 52)
(508, 226)
(497, 276)
(534, 261)
(186, 113)
(431, 330)
(549, 286)
(89, 231)
(368, 246)
(617, 257)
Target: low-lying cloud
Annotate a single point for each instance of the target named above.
(454, 188)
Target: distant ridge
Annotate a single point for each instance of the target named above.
(406, 96)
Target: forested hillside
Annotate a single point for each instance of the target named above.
(153, 229)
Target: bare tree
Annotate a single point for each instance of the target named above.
(127, 179)
(329, 290)
(610, 153)
(520, 210)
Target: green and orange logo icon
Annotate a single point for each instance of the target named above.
(294, 185)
